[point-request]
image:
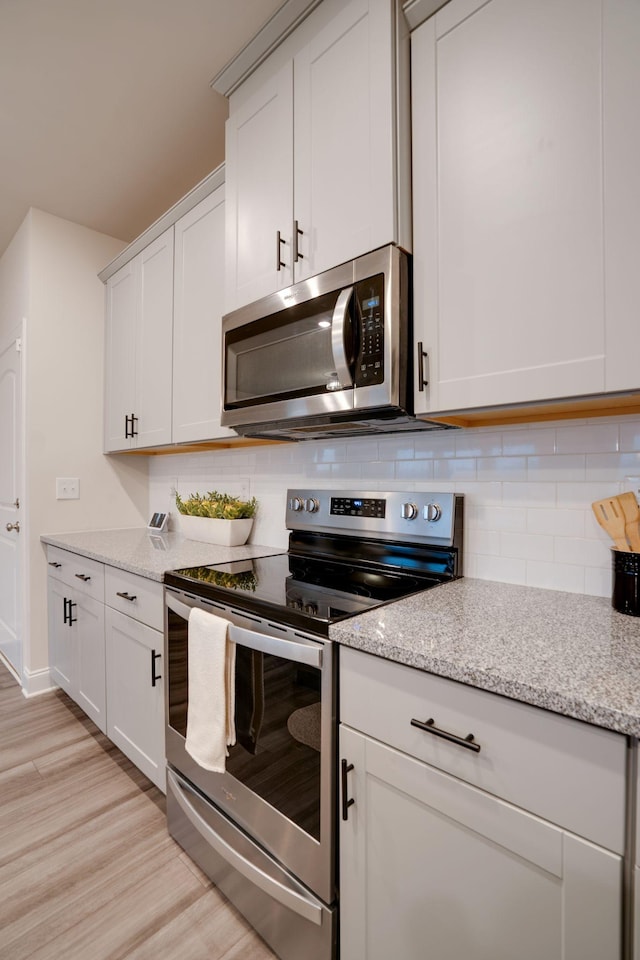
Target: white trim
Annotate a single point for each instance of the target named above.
(37, 682)
(282, 23)
(201, 190)
(417, 11)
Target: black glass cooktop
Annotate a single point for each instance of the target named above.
(305, 591)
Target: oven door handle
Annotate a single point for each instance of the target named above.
(287, 649)
(277, 646)
(287, 896)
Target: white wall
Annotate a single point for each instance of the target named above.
(63, 372)
(528, 490)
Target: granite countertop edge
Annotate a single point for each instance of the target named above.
(134, 550)
(576, 656)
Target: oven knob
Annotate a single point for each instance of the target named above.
(311, 608)
(432, 512)
(312, 505)
(296, 504)
(409, 511)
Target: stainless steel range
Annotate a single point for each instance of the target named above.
(264, 830)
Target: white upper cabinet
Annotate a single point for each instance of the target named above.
(311, 151)
(519, 276)
(197, 313)
(164, 306)
(259, 176)
(138, 349)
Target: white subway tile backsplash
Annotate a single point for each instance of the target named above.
(529, 442)
(526, 546)
(559, 467)
(556, 576)
(588, 438)
(528, 489)
(581, 551)
(556, 523)
(469, 444)
(502, 468)
(529, 494)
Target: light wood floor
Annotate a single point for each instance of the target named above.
(87, 868)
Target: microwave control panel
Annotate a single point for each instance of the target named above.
(369, 365)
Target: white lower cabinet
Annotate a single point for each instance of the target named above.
(106, 652)
(434, 867)
(135, 705)
(76, 632)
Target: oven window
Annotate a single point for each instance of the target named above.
(278, 722)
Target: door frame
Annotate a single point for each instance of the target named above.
(17, 336)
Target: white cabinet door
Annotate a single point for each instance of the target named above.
(154, 353)
(88, 630)
(508, 199)
(138, 354)
(76, 648)
(199, 285)
(259, 185)
(432, 867)
(344, 139)
(61, 653)
(122, 299)
(135, 693)
(621, 63)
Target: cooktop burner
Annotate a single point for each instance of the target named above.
(347, 554)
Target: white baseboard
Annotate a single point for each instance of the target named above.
(37, 682)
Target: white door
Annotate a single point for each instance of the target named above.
(344, 139)
(10, 493)
(259, 187)
(431, 867)
(198, 305)
(508, 201)
(154, 348)
(135, 699)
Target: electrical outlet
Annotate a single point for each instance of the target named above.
(67, 488)
(633, 483)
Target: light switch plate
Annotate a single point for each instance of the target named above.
(67, 488)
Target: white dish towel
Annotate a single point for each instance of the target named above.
(211, 711)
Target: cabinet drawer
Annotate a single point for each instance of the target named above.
(566, 771)
(135, 596)
(83, 574)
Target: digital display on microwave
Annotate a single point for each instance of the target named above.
(370, 303)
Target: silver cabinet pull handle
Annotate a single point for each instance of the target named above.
(297, 232)
(14, 526)
(83, 576)
(429, 727)
(126, 596)
(279, 261)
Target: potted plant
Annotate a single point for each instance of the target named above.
(216, 517)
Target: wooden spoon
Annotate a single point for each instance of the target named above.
(609, 514)
(631, 512)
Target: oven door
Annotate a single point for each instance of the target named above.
(279, 781)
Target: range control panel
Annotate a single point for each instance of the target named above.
(412, 515)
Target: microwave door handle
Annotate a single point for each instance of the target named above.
(338, 324)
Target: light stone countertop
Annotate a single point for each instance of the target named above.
(569, 653)
(136, 551)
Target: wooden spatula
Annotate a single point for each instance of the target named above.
(631, 513)
(609, 514)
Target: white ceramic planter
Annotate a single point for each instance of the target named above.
(227, 533)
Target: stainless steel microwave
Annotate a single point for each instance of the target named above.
(327, 356)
